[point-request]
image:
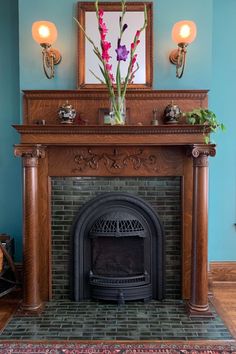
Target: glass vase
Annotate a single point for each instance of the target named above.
(117, 110)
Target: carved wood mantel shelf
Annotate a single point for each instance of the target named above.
(122, 135)
(135, 150)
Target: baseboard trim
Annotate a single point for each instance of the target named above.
(19, 269)
(222, 272)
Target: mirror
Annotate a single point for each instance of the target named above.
(134, 18)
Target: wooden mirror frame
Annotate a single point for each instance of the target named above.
(83, 7)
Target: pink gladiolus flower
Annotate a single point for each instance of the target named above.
(137, 34)
(100, 13)
(105, 56)
(103, 27)
(103, 36)
(134, 45)
(112, 77)
(106, 45)
(108, 67)
(134, 59)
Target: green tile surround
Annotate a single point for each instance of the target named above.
(70, 193)
(132, 321)
(93, 320)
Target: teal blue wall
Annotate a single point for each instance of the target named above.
(10, 171)
(61, 12)
(222, 231)
(210, 66)
(166, 13)
(198, 70)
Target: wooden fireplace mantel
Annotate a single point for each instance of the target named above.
(106, 135)
(96, 150)
(57, 150)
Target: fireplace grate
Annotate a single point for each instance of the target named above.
(118, 281)
(117, 224)
(121, 289)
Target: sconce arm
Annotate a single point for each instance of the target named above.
(181, 60)
(51, 57)
(178, 58)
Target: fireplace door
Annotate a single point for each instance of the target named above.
(118, 250)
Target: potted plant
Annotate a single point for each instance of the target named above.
(207, 118)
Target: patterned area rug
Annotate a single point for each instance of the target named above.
(114, 348)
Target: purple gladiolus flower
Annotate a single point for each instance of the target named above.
(122, 53)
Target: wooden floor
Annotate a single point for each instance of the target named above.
(8, 306)
(224, 300)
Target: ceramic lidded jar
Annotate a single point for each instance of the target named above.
(172, 114)
(66, 113)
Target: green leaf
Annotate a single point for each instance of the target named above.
(104, 74)
(205, 117)
(97, 77)
(223, 127)
(191, 120)
(118, 79)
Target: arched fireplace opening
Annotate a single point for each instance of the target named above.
(118, 250)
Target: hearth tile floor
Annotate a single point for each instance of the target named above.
(132, 321)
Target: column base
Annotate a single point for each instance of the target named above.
(198, 310)
(28, 310)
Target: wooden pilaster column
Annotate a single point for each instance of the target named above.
(31, 292)
(198, 304)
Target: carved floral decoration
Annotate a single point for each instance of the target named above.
(115, 162)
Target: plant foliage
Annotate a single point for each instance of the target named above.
(205, 117)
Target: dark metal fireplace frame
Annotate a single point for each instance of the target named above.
(81, 247)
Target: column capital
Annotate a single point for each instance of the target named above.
(25, 150)
(200, 153)
(30, 153)
(203, 149)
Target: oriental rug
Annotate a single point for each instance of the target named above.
(115, 348)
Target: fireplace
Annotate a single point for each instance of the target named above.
(137, 150)
(118, 250)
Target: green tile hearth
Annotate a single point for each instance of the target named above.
(104, 321)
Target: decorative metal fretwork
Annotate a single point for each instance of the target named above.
(115, 162)
(118, 282)
(110, 226)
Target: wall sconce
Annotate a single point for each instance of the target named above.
(45, 33)
(183, 33)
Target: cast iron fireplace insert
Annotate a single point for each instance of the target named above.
(118, 250)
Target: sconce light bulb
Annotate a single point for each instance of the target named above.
(44, 32)
(184, 31)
